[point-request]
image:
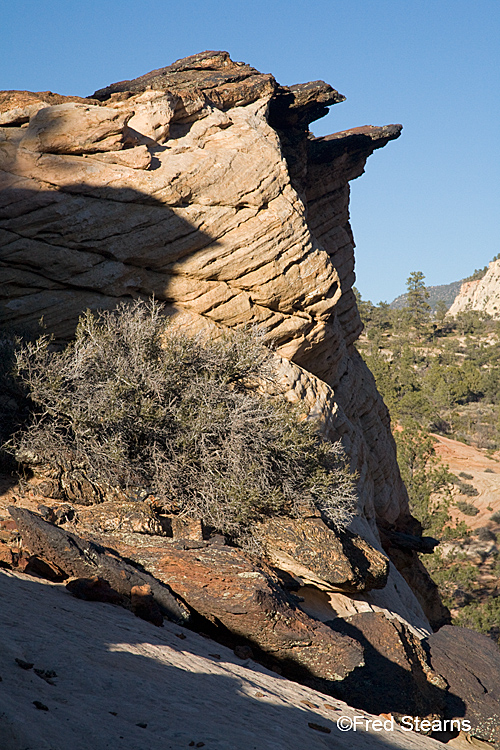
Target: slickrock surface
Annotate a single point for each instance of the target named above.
(201, 183)
(482, 294)
(105, 679)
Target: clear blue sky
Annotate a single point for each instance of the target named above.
(428, 202)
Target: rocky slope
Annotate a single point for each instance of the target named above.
(482, 294)
(201, 183)
(83, 674)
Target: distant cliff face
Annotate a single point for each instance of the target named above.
(201, 184)
(482, 295)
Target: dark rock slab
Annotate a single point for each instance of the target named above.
(396, 677)
(298, 105)
(222, 81)
(356, 141)
(80, 558)
(95, 590)
(470, 664)
(226, 83)
(245, 601)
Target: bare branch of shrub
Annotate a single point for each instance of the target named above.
(135, 404)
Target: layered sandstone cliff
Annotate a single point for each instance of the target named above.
(482, 295)
(200, 183)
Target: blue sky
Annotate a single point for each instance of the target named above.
(428, 202)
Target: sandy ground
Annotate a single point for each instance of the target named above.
(485, 471)
(122, 683)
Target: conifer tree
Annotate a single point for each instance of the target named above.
(417, 297)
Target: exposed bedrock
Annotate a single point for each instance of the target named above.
(200, 183)
(482, 294)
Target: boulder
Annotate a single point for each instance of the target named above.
(243, 601)
(72, 128)
(396, 677)
(82, 558)
(112, 516)
(341, 558)
(225, 589)
(470, 664)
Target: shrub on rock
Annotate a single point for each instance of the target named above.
(133, 404)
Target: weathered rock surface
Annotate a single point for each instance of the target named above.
(470, 664)
(226, 587)
(375, 664)
(81, 558)
(342, 559)
(219, 583)
(188, 690)
(397, 677)
(482, 295)
(201, 184)
(16, 107)
(75, 129)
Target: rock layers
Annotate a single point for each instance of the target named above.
(482, 295)
(200, 183)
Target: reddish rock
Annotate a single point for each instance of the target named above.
(37, 566)
(6, 557)
(341, 558)
(224, 586)
(144, 605)
(82, 559)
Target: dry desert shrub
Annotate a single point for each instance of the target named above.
(134, 404)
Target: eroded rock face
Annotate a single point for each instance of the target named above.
(201, 184)
(81, 558)
(482, 295)
(397, 676)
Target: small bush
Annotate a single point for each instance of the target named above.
(464, 487)
(468, 489)
(465, 476)
(495, 517)
(466, 508)
(484, 534)
(135, 405)
(489, 471)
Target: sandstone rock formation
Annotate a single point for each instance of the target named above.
(120, 682)
(200, 183)
(482, 295)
